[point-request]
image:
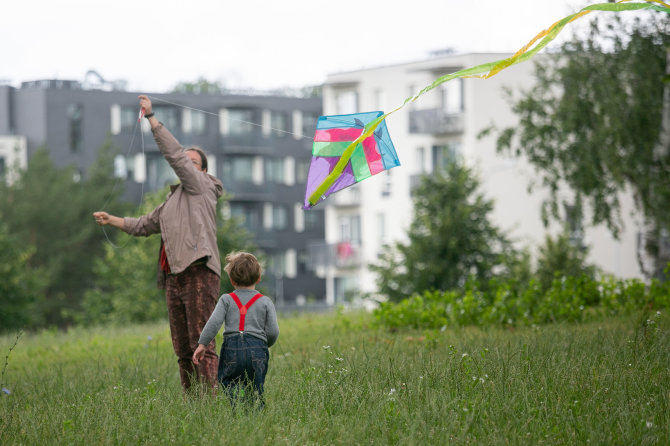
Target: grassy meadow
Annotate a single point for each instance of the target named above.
(339, 379)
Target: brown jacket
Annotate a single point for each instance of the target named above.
(187, 218)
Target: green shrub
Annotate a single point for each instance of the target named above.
(569, 298)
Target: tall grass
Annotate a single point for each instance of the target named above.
(337, 379)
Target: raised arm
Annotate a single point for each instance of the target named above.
(145, 103)
(190, 176)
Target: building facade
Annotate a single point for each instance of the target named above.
(442, 124)
(259, 146)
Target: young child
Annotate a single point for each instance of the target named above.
(250, 328)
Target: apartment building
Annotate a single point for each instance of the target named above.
(428, 133)
(258, 145)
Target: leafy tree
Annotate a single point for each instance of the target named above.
(48, 209)
(20, 285)
(451, 239)
(201, 86)
(594, 121)
(125, 288)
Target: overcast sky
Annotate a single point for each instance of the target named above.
(266, 44)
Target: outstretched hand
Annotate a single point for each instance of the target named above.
(102, 218)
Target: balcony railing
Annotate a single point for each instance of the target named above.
(435, 121)
(246, 190)
(339, 255)
(350, 196)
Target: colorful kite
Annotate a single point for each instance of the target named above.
(347, 149)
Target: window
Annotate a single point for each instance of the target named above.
(169, 116)
(386, 185)
(130, 167)
(247, 213)
(381, 227)
(282, 263)
(313, 219)
(346, 102)
(274, 170)
(301, 171)
(309, 120)
(159, 173)
(346, 288)
(275, 217)
(298, 218)
(420, 160)
(350, 228)
(303, 262)
(238, 168)
(380, 100)
(75, 115)
(123, 119)
(279, 122)
(195, 122)
(452, 96)
(120, 167)
(279, 217)
(128, 118)
(240, 121)
(276, 264)
(445, 154)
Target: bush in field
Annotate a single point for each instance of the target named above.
(570, 298)
(125, 289)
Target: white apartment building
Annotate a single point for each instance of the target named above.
(444, 122)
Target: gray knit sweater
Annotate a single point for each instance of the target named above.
(261, 319)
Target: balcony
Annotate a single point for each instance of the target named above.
(248, 191)
(340, 255)
(435, 121)
(252, 142)
(348, 197)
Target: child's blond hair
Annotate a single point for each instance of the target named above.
(243, 268)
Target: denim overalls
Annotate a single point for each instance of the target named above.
(244, 358)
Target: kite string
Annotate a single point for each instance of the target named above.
(138, 125)
(232, 119)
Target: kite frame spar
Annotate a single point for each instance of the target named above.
(357, 160)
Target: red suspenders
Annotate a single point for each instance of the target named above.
(244, 308)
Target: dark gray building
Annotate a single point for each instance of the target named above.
(259, 146)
